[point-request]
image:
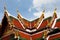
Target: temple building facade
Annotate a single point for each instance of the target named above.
(18, 28)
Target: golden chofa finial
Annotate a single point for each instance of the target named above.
(43, 13)
(55, 10)
(5, 6)
(5, 10)
(44, 10)
(19, 16)
(55, 15)
(17, 10)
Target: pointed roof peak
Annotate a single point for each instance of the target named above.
(5, 10)
(5, 6)
(43, 11)
(55, 14)
(17, 10)
(19, 15)
(55, 9)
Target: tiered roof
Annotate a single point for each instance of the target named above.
(35, 27)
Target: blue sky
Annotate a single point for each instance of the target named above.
(30, 9)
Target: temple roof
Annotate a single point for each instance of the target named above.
(16, 22)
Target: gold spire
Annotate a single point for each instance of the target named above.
(4, 7)
(42, 16)
(5, 10)
(43, 10)
(43, 13)
(55, 10)
(55, 15)
(19, 16)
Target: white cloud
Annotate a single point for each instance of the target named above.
(38, 3)
(37, 14)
